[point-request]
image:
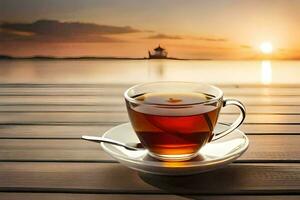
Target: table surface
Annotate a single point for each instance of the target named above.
(43, 157)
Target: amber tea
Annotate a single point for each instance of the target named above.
(173, 123)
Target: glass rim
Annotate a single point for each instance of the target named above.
(215, 99)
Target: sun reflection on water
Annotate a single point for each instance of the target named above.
(266, 72)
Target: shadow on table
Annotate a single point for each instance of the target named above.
(223, 181)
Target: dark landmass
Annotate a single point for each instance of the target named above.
(4, 57)
(39, 57)
(7, 57)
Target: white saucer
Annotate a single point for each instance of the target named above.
(213, 155)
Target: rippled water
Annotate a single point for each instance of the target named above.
(133, 71)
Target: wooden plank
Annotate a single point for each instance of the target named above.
(264, 109)
(263, 148)
(126, 85)
(261, 91)
(117, 100)
(270, 129)
(46, 91)
(68, 196)
(52, 131)
(94, 91)
(61, 100)
(98, 118)
(114, 178)
(70, 108)
(75, 131)
(122, 108)
(69, 91)
(51, 150)
(71, 85)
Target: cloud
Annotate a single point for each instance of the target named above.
(165, 36)
(245, 46)
(210, 39)
(180, 37)
(56, 31)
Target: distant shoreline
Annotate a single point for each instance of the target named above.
(49, 58)
(6, 57)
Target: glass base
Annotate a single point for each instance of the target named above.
(181, 157)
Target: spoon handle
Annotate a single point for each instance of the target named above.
(106, 140)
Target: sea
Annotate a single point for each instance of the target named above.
(118, 71)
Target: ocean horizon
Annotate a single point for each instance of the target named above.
(50, 57)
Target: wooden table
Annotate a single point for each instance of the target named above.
(43, 157)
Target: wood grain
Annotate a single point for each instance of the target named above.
(75, 131)
(42, 157)
(118, 100)
(270, 129)
(51, 131)
(68, 196)
(126, 85)
(119, 90)
(115, 117)
(263, 148)
(114, 178)
(295, 110)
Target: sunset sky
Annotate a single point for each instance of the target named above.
(220, 29)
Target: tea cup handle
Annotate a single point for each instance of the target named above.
(237, 122)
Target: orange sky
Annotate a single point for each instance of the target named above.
(227, 29)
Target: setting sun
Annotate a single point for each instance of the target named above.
(266, 47)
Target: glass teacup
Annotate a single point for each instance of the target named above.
(174, 120)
